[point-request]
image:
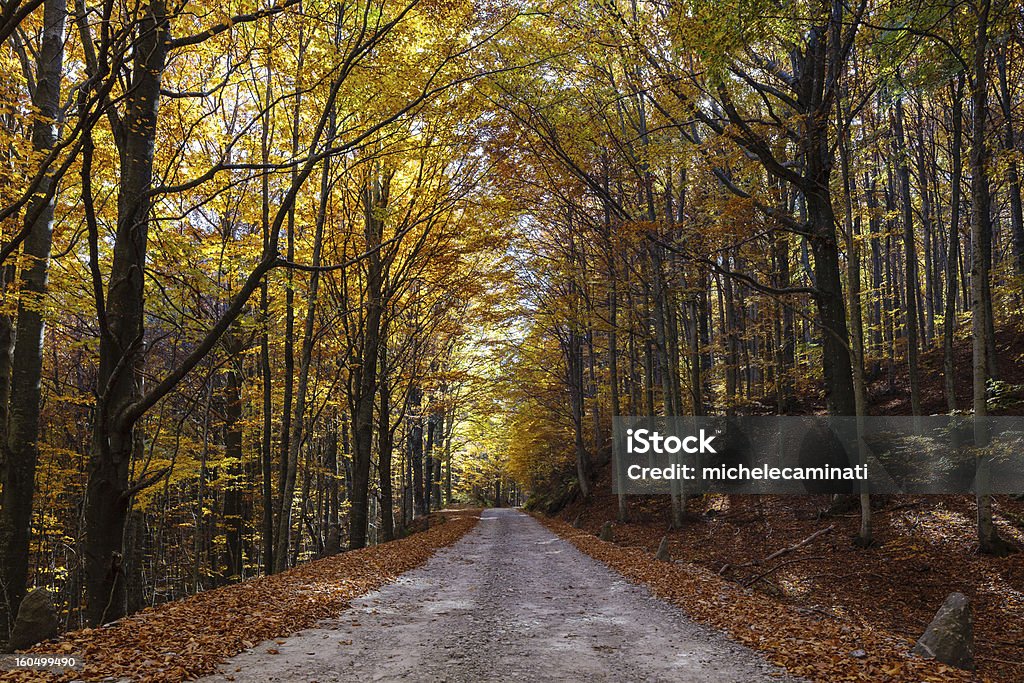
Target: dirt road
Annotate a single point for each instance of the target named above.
(510, 601)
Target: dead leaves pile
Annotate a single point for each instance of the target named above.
(187, 638)
(818, 649)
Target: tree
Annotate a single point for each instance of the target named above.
(22, 420)
(989, 540)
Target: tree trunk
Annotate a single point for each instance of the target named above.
(387, 447)
(732, 357)
(864, 535)
(989, 541)
(828, 297)
(288, 459)
(1012, 172)
(298, 435)
(449, 429)
(572, 347)
(613, 352)
(926, 229)
(375, 199)
(22, 424)
(415, 450)
(437, 423)
(952, 271)
(121, 345)
(233, 522)
(428, 463)
(266, 372)
(910, 258)
(333, 543)
(878, 289)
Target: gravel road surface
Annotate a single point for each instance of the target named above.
(509, 601)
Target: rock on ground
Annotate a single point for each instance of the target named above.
(949, 638)
(663, 554)
(36, 620)
(509, 601)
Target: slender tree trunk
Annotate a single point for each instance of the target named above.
(266, 371)
(707, 357)
(926, 228)
(437, 418)
(573, 350)
(234, 474)
(375, 199)
(648, 383)
(877, 285)
(732, 357)
(613, 359)
(22, 417)
(333, 543)
(864, 535)
(415, 450)
(288, 458)
(286, 473)
(989, 541)
(298, 436)
(449, 429)
(387, 447)
(910, 258)
(952, 271)
(1012, 171)
(428, 461)
(7, 274)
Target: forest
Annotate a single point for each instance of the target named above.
(281, 277)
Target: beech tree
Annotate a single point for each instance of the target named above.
(21, 420)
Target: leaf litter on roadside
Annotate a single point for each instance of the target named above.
(185, 639)
(817, 649)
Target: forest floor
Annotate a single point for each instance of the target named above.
(509, 601)
(925, 547)
(185, 639)
(880, 599)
